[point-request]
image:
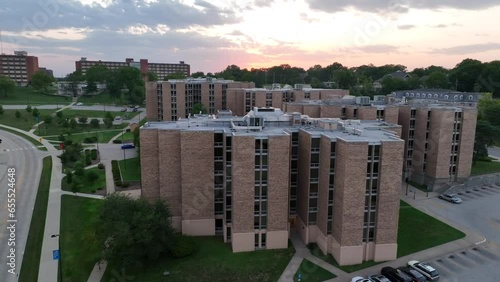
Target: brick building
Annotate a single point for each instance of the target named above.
(245, 178)
(169, 100)
(437, 126)
(19, 67)
(160, 69)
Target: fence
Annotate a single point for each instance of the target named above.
(475, 182)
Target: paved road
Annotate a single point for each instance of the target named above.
(494, 152)
(480, 212)
(16, 152)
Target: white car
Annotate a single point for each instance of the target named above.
(428, 271)
(360, 279)
(79, 104)
(451, 198)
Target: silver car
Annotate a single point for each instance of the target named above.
(379, 278)
(451, 198)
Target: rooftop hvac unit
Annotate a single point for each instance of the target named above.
(379, 98)
(363, 100)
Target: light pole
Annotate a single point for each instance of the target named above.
(60, 255)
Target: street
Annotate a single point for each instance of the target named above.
(479, 212)
(108, 108)
(494, 152)
(21, 155)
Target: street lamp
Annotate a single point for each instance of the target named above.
(60, 255)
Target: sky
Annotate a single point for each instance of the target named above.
(210, 35)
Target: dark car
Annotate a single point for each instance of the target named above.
(395, 275)
(135, 109)
(417, 276)
(128, 146)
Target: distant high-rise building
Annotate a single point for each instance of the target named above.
(19, 67)
(160, 69)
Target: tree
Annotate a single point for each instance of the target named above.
(73, 123)
(42, 81)
(137, 95)
(18, 114)
(345, 78)
(136, 135)
(83, 120)
(466, 74)
(79, 168)
(133, 231)
(197, 74)
(108, 120)
(152, 76)
(177, 75)
(91, 175)
(73, 80)
(69, 176)
(437, 79)
(6, 85)
(94, 123)
(486, 134)
(59, 115)
(35, 112)
(199, 108)
(76, 186)
(1, 110)
(47, 120)
(28, 109)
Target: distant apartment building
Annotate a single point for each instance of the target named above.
(160, 69)
(245, 178)
(67, 88)
(439, 142)
(173, 99)
(19, 67)
(438, 127)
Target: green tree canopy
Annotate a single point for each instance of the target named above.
(6, 85)
(177, 75)
(152, 76)
(133, 231)
(199, 108)
(41, 81)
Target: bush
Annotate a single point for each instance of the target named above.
(92, 175)
(93, 154)
(116, 171)
(183, 246)
(92, 139)
(117, 141)
(88, 160)
(87, 152)
(100, 166)
(127, 130)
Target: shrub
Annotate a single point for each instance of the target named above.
(127, 130)
(117, 141)
(94, 122)
(93, 191)
(100, 166)
(87, 152)
(116, 171)
(92, 139)
(88, 160)
(183, 246)
(91, 175)
(93, 154)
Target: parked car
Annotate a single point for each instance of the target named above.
(135, 109)
(417, 276)
(128, 146)
(124, 109)
(395, 275)
(360, 279)
(117, 118)
(425, 269)
(451, 198)
(378, 278)
(79, 104)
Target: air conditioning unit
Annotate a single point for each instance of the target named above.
(363, 100)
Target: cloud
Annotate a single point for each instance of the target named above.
(305, 17)
(406, 26)
(440, 26)
(468, 49)
(263, 3)
(397, 6)
(378, 49)
(25, 15)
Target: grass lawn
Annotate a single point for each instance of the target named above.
(21, 95)
(417, 231)
(77, 217)
(133, 170)
(102, 136)
(55, 129)
(88, 186)
(484, 167)
(104, 98)
(311, 272)
(214, 262)
(71, 113)
(127, 136)
(25, 122)
(33, 250)
(33, 141)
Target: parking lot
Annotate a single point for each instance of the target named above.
(478, 212)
